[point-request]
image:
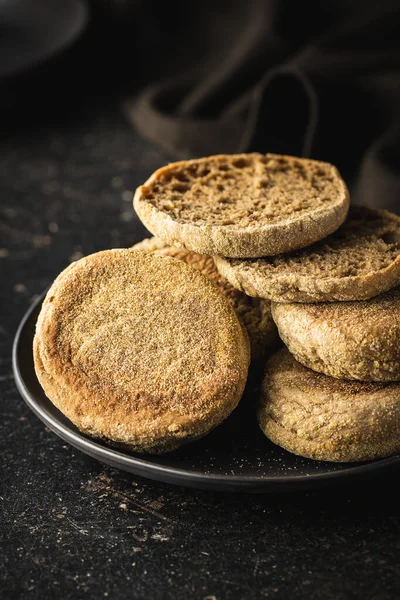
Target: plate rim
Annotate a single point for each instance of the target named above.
(169, 474)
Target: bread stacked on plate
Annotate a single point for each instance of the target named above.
(149, 347)
(280, 230)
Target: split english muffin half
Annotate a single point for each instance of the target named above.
(358, 261)
(243, 205)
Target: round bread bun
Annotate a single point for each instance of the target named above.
(243, 205)
(349, 340)
(140, 350)
(319, 417)
(255, 313)
(360, 260)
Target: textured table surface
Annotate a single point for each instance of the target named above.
(71, 528)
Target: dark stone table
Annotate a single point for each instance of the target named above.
(72, 528)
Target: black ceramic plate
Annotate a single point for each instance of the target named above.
(236, 456)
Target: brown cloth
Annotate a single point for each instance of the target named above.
(316, 79)
(319, 78)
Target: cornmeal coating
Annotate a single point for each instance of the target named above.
(350, 340)
(140, 350)
(255, 313)
(323, 418)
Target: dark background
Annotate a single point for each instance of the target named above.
(69, 162)
(317, 78)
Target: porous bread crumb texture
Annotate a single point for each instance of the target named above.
(243, 190)
(318, 417)
(255, 313)
(140, 349)
(349, 340)
(358, 261)
(243, 205)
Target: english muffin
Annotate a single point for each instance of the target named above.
(360, 260)
(323, 418)
(349, 340)
(243, 205)
(255, 313)
(140, 350)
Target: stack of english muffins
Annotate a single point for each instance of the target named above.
(149, 347)
(281, 231)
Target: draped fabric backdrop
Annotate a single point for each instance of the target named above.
(316, 78)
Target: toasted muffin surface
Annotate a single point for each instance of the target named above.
(243, 205)
(359, 261)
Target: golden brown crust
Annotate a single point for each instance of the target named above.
(322, 418)
(255, 313)
(359, 261)
(243, 205)
(349, 340)
(140, 349)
